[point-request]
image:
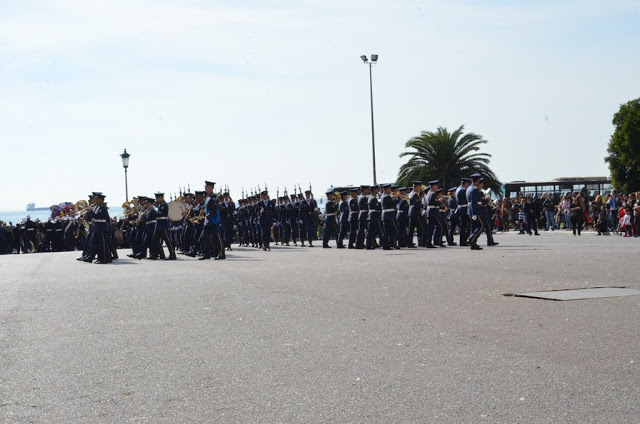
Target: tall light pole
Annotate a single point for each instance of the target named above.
(125, 165)
(374, 60)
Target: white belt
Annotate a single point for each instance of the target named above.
(59, 229)
(162, 217)
(329, 214)
(479, 203)
(374, 211)
(433, 207)
(151, 222)
(388, 210)
(99, 220)
(30, 229)
(463, 206)
(351, 213)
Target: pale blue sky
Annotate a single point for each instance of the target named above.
(250, 92)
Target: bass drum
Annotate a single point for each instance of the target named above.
(176, 211)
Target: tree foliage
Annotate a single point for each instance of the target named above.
(447, 157)
(624, 148)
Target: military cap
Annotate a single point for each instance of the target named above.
(415, 183)
(394, 186)
(432, 182)
(329, 191)
(404, 188)
(226, 193)
(307, 192)
(353, 189)
(453, 189)
(188, 194)
(343, 192)
(386, 185)
(100, 195)
(199, 193)
(264, 192)
(375, 187)
(466, 179)
(475, 176)
(158, 194)
(365, 186)
(439, 190)
(209, 183)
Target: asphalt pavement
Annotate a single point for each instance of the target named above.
(306, 335)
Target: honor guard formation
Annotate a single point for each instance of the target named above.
(206, 224)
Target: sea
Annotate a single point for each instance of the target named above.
(18, 216)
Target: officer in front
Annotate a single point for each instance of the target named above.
(474, 201)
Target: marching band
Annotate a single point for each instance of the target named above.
(206, 224)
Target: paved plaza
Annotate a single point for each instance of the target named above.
(316, 335)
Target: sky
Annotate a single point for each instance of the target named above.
(248, 93)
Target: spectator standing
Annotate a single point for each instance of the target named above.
(576, 214)
(549, 210)
(613, 205)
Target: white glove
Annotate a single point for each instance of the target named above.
(474, 217)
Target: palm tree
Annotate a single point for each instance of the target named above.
(447, 157)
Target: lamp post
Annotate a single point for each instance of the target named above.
(125, 165)
(374, 60)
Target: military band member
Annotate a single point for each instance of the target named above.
(266, 210)
(308, 212)
(227, 211)
(343, 208)
(389, 211)
(442, 221)
(363, 215)
(486, 217)
(452, 205)
(463, 210)
(374, 229)
(354, 211)
(161, 232)
(402, 216)
(330, 223)
(99, 216)
(415, 215)
(474, 200)
(292, 218)
(212, 244)
(432, 206)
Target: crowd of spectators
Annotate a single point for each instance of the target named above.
(609, 213)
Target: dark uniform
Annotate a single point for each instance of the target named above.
(433, 229)
(474, 200)
(308, 214)
(415, 216)
(363, 216)
(389, 223)
(343, 208)
(354, 211)
(402, 217)
(329, 220)
(374, 228)
(463, 212)
(99, 217)
(161, 231)
(454, 220)
(266, 211)
(227, 212)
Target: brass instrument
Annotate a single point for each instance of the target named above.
(198, 218)
(130, 208)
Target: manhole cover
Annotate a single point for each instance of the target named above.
(579, 294)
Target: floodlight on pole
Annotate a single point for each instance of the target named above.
(374, 60)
